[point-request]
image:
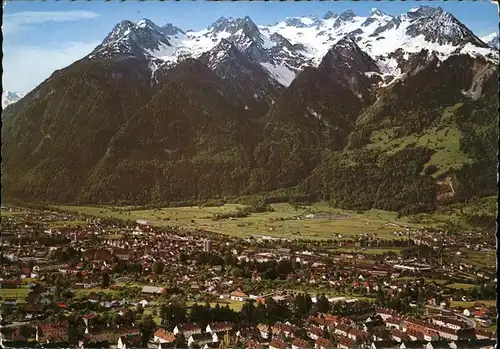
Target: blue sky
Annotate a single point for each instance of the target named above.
(40, 37)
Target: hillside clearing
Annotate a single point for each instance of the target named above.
(444, 139)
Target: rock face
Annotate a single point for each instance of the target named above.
(445, 190)
(351, 109)
(247, 77)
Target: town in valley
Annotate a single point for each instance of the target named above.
(74, 280)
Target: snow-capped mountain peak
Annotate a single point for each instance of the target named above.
(243, 32)
(285, 48)
(349, 66)
(347, 15)
(440, 27)
(329, 15)
(232, 25)
(121, 29)
(492, 40)
(346, 43)
(376, 12)
(424, 11)
(302, 22)
(223, 51)
(142, 39)
(348, 55)
(378, 17)
(221, 24)
(170, 30)
(10, 97)
(146, 23)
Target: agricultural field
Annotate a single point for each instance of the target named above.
(313, 290)
(88, 291)
(14, 293)
(375, 251)
(110, 237)
(481, 258)
(427, 280)
(234, 305)
(460, 304)
(460, 286)
(282, 223)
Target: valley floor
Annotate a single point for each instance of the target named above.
(316, 221)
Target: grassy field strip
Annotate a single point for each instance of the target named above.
(427, 280)
(312, 291)
(279, 223)
(14, 293)
(488, 303)
(234, 305)
(461, 286)
(88, 291)
(373, 250)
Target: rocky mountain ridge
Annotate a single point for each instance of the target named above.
(285, 48)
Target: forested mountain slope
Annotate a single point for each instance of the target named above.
(330, 107)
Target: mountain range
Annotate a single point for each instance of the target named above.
(391, 112)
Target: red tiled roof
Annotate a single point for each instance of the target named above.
(398, 333)
(189, 327)
(359, 333)
(167, 336)
(344, 327)
(393, 320)
(131, 339)
(346, 341)
(61, 305)
(301, 343)
(316, 320)
(323, 342)
(221, 326)
(332, 318)
(276, 343)
(315, 330)
(261, 300)
(253, 345)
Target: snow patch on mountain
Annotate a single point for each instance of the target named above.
(281, 73)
